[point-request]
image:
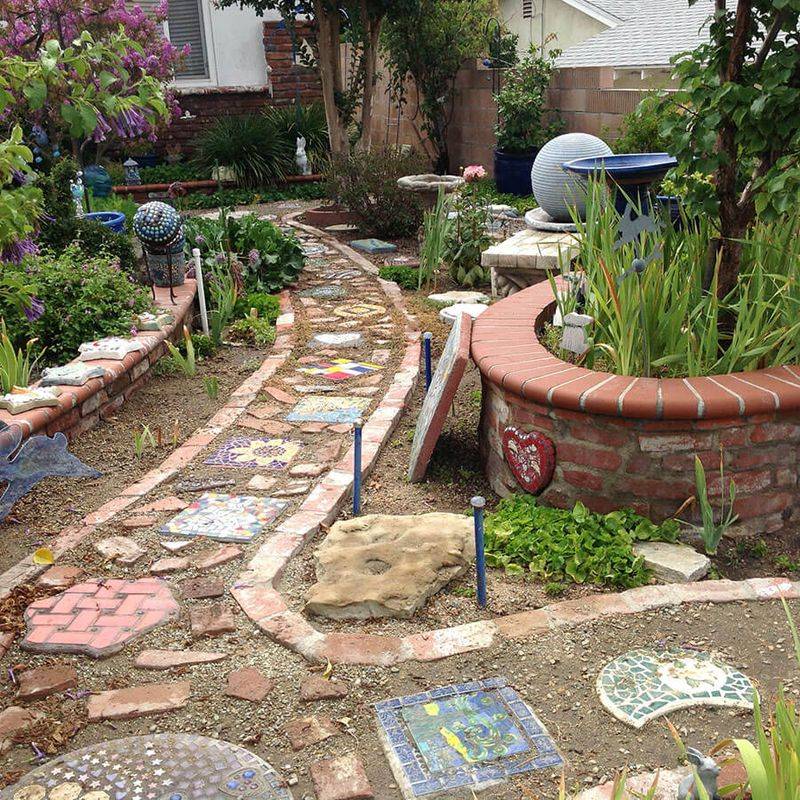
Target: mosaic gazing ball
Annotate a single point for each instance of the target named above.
(157, 223)
(556, 190)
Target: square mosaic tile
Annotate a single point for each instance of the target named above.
(333, 410)
(643, 684)
(359, 310)
(340, 369)
(469, 735)
(242, 451)
(225, 517)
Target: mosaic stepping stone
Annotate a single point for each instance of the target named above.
(242, 451)
(17, 402)
(340, 369)
(114, 348)
(312, 248)
(165, 766)
(452, 313)
(373, 246)
(325, 292)
(341, 274)
(359, 310)
(643, 684)
(97, 617)
(333, 410)
(225, 517)
(469, 735)
(439, 397)
(73, 374)
(455, 297)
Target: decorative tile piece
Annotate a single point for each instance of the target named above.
(439, 397)
(643, 684)
(469, 735)
(112, 347)
(18, 402)
(242, 451)
(325, 292)
(164, 766)
(340, 369)
(340, 340)
(72, 374)
(97, 617)
(531, 456)
(341, 274)
(359, 310)
(332, 410)
(153, 322)
(40, 457)
(373, 246)
(312, 248)
(225, 517)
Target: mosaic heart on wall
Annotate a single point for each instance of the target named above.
(531, 456)
(643, 684)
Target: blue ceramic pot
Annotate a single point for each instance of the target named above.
(98, 180)
(512, 172)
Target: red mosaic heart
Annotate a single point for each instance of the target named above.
(531, 457)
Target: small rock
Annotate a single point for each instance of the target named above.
(170, 503)
(260, 483)
(213, 620)
(6, 640)
(42, 681)
(16, 720)
(292, 490)
(213, 558)
(138, 701)
(119, 548)
(167, 659)
(248, 684)
(263, 411)
(313, 427)
(306, 470)
(341, 778)
(143, 521)
(305, 731)
(166, 565)
(673, 563)
(279, 395)
(201, 588)
(364, 391)
(328, 452)
(340, 427)
(175, 546)
(315, 687)
(60, 577)
(270, 426)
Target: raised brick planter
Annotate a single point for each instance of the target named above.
(630, 442)
(82, 407)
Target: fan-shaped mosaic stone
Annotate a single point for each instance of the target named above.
(165, 766)
(643, 684)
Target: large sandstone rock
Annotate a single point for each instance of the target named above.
(387, 566)
(673, 563)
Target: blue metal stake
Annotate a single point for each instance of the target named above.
(480, 556)
(428, 371)
(357, 467)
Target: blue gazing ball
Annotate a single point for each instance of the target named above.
(157, 223)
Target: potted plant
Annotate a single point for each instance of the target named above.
(523, 126)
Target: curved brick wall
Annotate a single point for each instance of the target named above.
(623, 441)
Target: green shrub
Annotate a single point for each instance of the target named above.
(366, 183)
(94, 238)
(58, 223)
(407, 277)
(578, 545)
(267, 306)
(263, 194)
(640, 131)
(252, 330)
(170, 173)
(203, 346)
(309, 121)
(84, 298)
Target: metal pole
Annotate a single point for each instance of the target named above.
(428, 369)
(357, 467)
(201, 293)
(478, 504)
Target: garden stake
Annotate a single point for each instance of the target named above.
(357, 467)
(477, 504)
(201, 295)
(428, 372)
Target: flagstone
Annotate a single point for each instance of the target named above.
(143, 521)
(292, 490)
(313, 427)
(315, 687)
(261, 483)
(248, 684)
(279, 394)
(138, 701)
(306, 470)
(60, 577)
(16, 720)
(271, 426)
(305, 731)
(171, 503)
(202, 588)
(165, 566)
(263, 411)
(6, 640)
(341, 778)
(213, 558)
(212, 620)
(167, 659)
(43, 681)
(175, 547)
(120, 548)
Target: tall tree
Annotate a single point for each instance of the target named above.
(741, 95)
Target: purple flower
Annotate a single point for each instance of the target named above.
(134, 332)
(199, 239)
(34, 309)
(221, 258)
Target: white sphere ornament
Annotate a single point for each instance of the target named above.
(556, 190)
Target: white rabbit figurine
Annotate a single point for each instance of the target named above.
(301, 159)
(707, 770)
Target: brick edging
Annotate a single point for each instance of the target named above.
(508, 354)
(80, 408)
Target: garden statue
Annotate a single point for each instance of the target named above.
(77, 191)
(707, 770)
(132, 176)
(574, 337)
(301, 159)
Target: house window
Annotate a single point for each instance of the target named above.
(527, 9)
(186, 27)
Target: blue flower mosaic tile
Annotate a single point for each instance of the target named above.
(466, 735)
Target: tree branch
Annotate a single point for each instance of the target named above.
(769, 40)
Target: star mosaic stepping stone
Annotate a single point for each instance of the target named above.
(165, 766)
(469, 735)
(242, 451)
(97, 617)
(359, 310)
(73, 374)
(643, 684)
(325, 292)
(340, 369)
(114, 348)
(333, 410)
(225, 517)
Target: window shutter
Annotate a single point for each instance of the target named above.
(527, 9)
(186, 27)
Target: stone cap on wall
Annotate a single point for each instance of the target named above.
(508, 353)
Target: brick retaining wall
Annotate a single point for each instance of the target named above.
(630, 442)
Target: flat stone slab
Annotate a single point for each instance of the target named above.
(212, 620)
(43, 681)
(98, 617)
(202, 588)
(167, 659)
(342, 778)
(428, 740)
(643, 684)
(388, 566)
(248, 684)
(305, 731)
(529, 249)
(214, 558)
(373, 246)
(315, 687)
(170, 503)
(60, 577)
(451, 313)
(158, 765)
(166, 566)
(336, 340)
(454, 297)
(16, 720)
(673, 563)
(138, 701)
(120, 548)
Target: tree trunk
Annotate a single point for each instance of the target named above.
(372, 32)
(330, 72)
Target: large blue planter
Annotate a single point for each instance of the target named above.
(96, 177)
(115, 220)
(512, 172)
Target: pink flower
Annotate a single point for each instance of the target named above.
(473, 173)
